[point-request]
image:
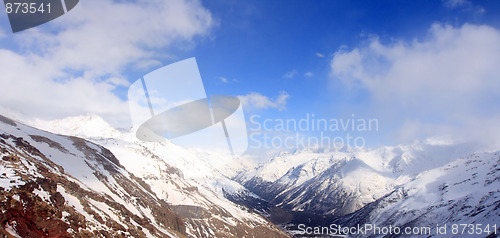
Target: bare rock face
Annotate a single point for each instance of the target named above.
(30, 216)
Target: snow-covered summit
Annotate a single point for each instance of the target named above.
(87, 126)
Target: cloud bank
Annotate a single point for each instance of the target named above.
(444, 84)
(74, 64)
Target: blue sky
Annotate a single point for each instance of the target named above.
(410, 64)
(258, 43)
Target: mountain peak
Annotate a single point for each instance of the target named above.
(88, 126)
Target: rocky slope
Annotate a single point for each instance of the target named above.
(64, 186)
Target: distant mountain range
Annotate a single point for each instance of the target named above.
(422, 184)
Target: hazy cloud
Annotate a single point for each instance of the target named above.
(259, 101)
(224, 80)
(465, 5)
(290, 74)
(446, 83)
(455, 3)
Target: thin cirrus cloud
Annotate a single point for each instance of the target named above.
(74, 67)
(465, 5)
(455, 3)
(224, 80)
(256, 100)
(444, 84)
(290, 74)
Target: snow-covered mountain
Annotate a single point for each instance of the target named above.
(61, 186)
(209, 171)
(341, 182)
(317, 186)
(73, 187)
(465, 191)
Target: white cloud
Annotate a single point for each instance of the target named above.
(147, 64)
(259, 101)
(446, 83)
(308, 74)
(455, 3)
(320, 55)
(464, 5)
(75, 64)
(290, 74)
(226, 80)
(118, 81)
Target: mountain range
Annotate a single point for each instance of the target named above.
(65, 186)
(81, 177)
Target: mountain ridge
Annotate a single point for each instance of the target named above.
(114, 202)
